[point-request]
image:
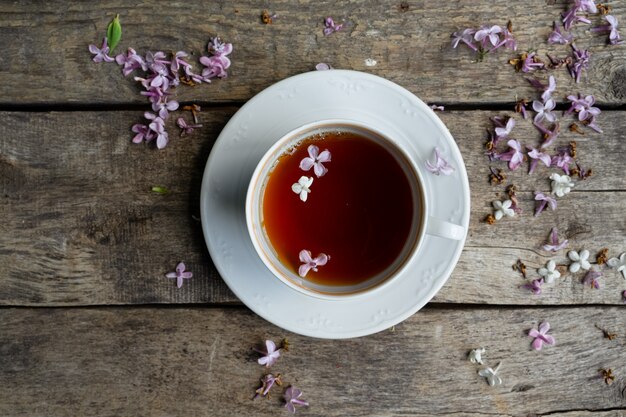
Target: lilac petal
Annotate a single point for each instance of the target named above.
(180, 267)
(264, 360)
(548, 339)
(544, 328)
(186, 275)
(305, 256)
(324, 156)
(537, 344)
(321, 260)
(162, 140)
(94, 49)
(304, 269)
(290, 407)
(533, 333)
(171, 275)
(313, 151)
(179, 283)
(307, 163)
(319, 169)
(270, 345)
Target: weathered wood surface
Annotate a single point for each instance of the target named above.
(44, 47)
(81, 226)
(182, 362)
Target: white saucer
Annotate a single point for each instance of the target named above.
(291, 103)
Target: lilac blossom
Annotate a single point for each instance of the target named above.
(101, 54)
(535, 155)
(548, 135)
(505, 131)
(531, 63)
(570, 17)
(541, 336)
(486, 33)
(270, 355)
(544, 110)
(592, 278)
(178, 62)
(315, 160)
(515, 156)
(440, 166)
(542, 201)
(436, 107)
(580, 62)
(322, 66)
(618, 264)
(185, 128)
(562, 160)
(550, 88)
(267, 382)
(143, 133)
(131, 61)
(491, 375)
(330, 26)
(580, 260)
(557, 37)
(292, 398)
(302, 187)
(157, 125)
(310, 263)
(614, 38)
(583, 106)
(553, 244)
(179, 275)
(466, 36)
(508, 41)
(163, 107)
(534, 286)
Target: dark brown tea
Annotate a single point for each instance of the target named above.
(359, 213)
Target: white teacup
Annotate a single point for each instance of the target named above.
(422, 223)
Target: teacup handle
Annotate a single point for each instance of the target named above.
(441, 228)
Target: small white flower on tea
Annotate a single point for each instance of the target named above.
(369, 62)
(475, 355)
(549, 273)
(491, 376)
(561, 184)
(579, 260)
(302, 187)
(619, 264)
(502, 208)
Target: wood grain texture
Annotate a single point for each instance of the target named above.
(182, 362)
(45, 47)
(81, 226)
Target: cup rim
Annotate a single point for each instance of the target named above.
(256, 182)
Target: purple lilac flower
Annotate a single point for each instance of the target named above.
(157, 125)
(440, 166)
(330, 26)
(579, 63)
(562, 160)
(466, 36)
(530, 64)
(544, 110)
(310, 263)
(553, 244)
(316, 161)
(143, 133)
(541, 336)
(178, 62)
(508, 41)
(570, 17)
(292, 398)
(592, 278)
(548, 135)
(267, 382)
(614, 38)
(557, 37)
(101, 54)
(131, 61)
(504, 131)
(534, 286)
(486, 33)
(185, 128)
(535, 155)
(270, 356)
(542, 201)
(584, 106)
(515, 156)
(179, 275)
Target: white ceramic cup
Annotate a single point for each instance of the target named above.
(422, 223)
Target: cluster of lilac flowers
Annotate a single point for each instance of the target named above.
(292, 395)
(159, 75)
(485, 39)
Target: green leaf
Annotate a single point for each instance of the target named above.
(160, 190)
(114, 33)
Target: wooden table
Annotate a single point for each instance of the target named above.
(89, 324)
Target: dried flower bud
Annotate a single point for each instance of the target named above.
(497, 176)
(576, 129)
(607, 375)
(603, 9)
(266, 18)
(602, 256)
(490, 219)
(520, 267)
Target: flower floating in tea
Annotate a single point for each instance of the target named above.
(579, 260)
(310, 263)
(440, 166)
(302, 187)
(541, 336)
(315, 160)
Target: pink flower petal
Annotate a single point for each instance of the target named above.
(544, 328)
(306, 164)
(537, 344)
(305, 256)
(549, 339)
(270, 345)
(533, 333)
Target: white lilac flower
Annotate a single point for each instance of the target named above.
(619, 264)
(549, 273)
(561, 184)
(475, 355)
(302, 187)
(491, 375)
(579, 260)
(502, 208)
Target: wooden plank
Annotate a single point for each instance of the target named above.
(182, 361)
(45, 48)
(83, 228)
